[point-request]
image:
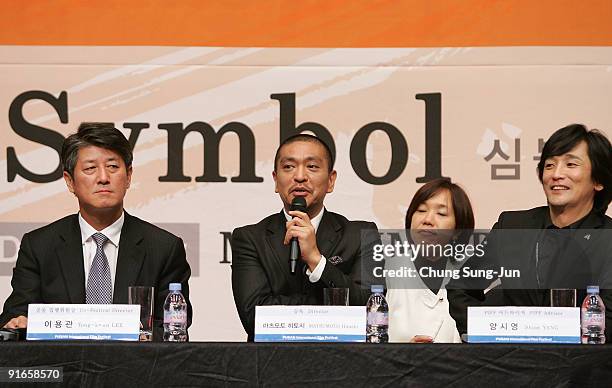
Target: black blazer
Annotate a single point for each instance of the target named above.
(261, 273)
(49, 267)
(576, 264)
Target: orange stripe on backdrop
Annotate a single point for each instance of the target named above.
(328, 23)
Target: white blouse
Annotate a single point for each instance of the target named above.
(415, 310)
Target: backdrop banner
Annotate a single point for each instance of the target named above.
(205, 123)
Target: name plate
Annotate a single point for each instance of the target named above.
(554, 325)
(310, 324)
(83, 322)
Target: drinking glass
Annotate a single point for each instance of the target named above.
(563, 297)
(336, 296)
(144, 297)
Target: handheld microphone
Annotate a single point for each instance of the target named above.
(298, 204)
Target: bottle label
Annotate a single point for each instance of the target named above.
(593, 319)
(378, 319)
(175, 317)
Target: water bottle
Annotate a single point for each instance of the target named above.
(175, 315)
(378, 316)
(593, 317)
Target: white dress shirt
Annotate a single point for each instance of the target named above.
(111, 248)
(315, 275)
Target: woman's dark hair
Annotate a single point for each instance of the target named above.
(599, 151)
(103, 135)
(464, 215)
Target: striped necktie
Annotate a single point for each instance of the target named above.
(99, 285)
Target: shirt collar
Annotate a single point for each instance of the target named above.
(548, 224)
(112, 232)
(314, 221)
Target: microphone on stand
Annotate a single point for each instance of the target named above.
(298, 204)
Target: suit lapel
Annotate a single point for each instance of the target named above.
(275, 236)
(328, 234)
(129, 259)
(70, 257)
(587, 243)
(529, 236)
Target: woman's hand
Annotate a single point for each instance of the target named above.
(421, 339)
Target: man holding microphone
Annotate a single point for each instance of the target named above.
(330, 246)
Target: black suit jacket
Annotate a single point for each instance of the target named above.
(261, 273)
(581, 261)
(50, 269)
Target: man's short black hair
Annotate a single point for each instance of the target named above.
(103, 135)
(599, 151)
(307, 138)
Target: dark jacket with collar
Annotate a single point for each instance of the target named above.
(585, 258)
(50, 268)
(261, 273)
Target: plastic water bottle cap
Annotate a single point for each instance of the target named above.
(593, 290)
(175, 287)
(377, 288)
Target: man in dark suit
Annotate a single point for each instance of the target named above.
(333, 253)
(566, 244)
(95, 255)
